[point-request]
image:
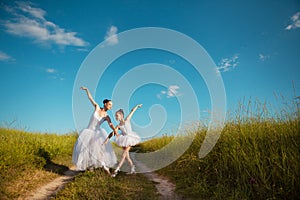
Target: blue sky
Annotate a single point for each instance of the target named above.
(254, 44)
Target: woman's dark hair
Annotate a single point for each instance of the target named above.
(106, 101)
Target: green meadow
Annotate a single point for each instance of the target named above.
(253, 160)
(256, 157)
(29, 160)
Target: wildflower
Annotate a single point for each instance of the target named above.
(252, 181)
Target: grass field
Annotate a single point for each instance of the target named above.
(29, 160)
(99, 185)
(256, 157)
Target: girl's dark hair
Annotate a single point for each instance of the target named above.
(106, 101)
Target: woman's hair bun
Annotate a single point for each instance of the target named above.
(106, 101)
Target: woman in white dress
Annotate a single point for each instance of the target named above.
(126, 139)
(88, 151)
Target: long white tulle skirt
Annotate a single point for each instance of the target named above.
(127, 140)
(90, 153)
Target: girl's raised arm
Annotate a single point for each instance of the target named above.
(90, 96)
(132, 111)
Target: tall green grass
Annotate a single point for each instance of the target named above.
(99, 185)
(25, 156)
(256, 157)
(23, 153)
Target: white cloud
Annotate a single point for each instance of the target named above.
(227, 64)
(29, 21)
(5, 57)
(35, 12)
(171, 92)
(263, 57)
(111, 36)
(51, 70)
(54, 74)
(295, 22)
(172, 61)
(82, 49)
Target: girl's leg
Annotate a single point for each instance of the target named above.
(128, 157)
(122, 159)
(120, 163)
(132, 170)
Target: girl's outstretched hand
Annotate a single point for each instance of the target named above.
(139, 106)
(83, 88)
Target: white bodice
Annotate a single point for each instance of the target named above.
(95, 121)
(126, 128)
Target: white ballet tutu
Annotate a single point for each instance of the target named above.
(127, 140)
(90, 153)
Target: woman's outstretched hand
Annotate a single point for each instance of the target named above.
(83, 88)
(139, 106)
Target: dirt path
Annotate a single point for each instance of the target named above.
(49, 190)
(163, 185)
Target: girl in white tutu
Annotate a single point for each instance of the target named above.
(126, 139)
(88, 151)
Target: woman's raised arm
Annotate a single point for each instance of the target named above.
(90, 96)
